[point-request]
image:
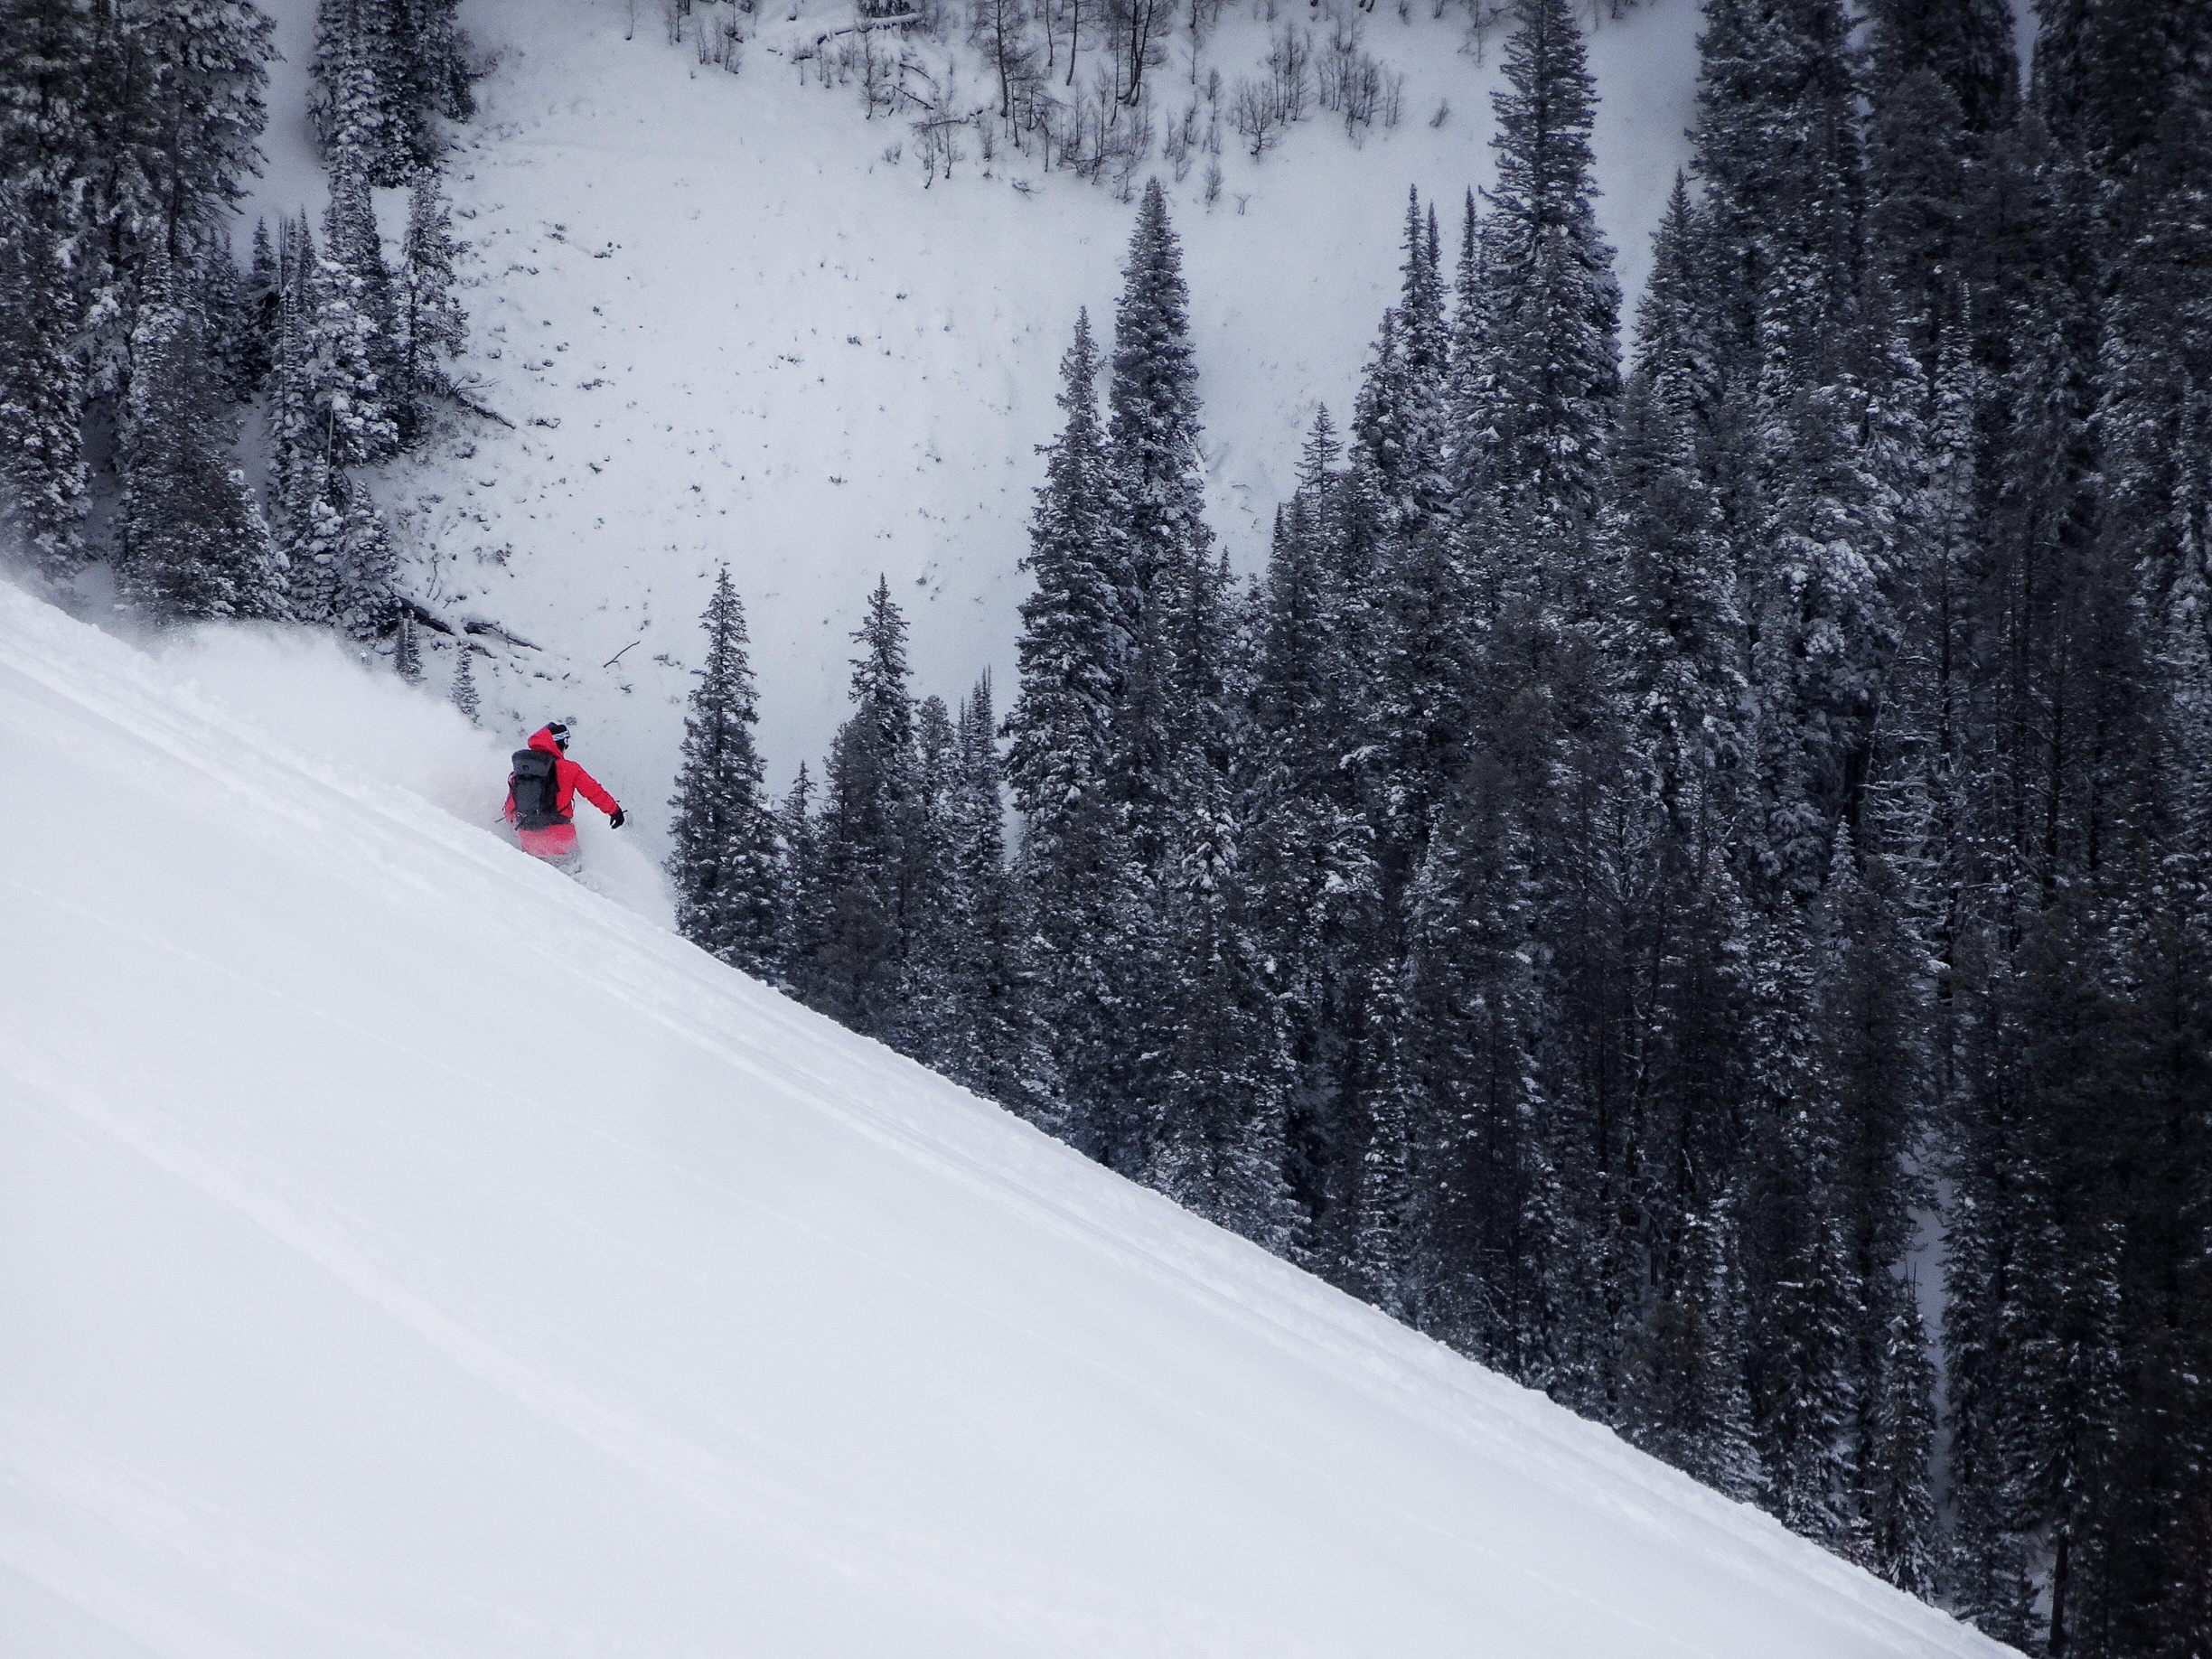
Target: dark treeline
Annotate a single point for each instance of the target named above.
(1657, 849)
(132, 345)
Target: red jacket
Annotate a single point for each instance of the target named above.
(571, 778)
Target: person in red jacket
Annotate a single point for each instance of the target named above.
(541, 790)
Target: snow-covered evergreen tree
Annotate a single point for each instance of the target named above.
(722, 858)
(464, 695)
(992, 1040)
(1075, 633)
(1399, 422)
(190, 541)
(348, 106)
(361, 366)
(433, 325)
(386, 74)
(43, 474)
(801, 899)
(1153, 397)
(1898, 1510)
(856, 970)
(1543, 390)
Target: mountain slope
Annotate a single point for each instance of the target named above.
(404, 1250)
(726, 327)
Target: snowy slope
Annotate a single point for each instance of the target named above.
(403, 1251)
(750, 337)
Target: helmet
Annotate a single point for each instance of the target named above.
(558, 731)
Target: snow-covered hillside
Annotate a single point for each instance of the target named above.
(726, 327)
(404, 1250)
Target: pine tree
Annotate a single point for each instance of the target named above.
(1475, 1253)
(1685, 1400)
(857, 971)
(42, 473)
(1399, 419)
(48, 94)
(358, 319)
(407, 652)
(1309, 854)
(1173, 618)
(991, 1041)
(351, 106)
(201, 69)
(1078, 636)
(1153, 396)
(433, 325)
(1682, 627)
(289, 417)
(802, 901)
(218, 298)
(464, 695)
(723, 854)
(1898, 1509)
(934, 898)
(1549, 377)
(364, 566)
(1775, 145)
(1918, 184)
(430, 82)
(189, 540)
(260, 305)
(1075, 633)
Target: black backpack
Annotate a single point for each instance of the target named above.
(536, 783)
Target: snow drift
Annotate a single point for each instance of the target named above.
(403, 1251)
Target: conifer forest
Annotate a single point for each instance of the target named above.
(1686, 877)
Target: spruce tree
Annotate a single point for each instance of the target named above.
(260, 301)
(1684, 1397)
(358, 323)
(433, 325)
(1075, 633)
(1153, 397)
(1308, 853)
(856, 970)
(351, 105)
(1898, 1514)
(201, 67)
(1681, 628)
(1775, 148)
(1548, 377)
(407, 652)
(1078, 636)
(802, 901)
(464, 693)
(386, 75)
(1399, 419)
(44, 479)
(1476, 1254)
(723, 854)
(991, 1041)
(189, 540)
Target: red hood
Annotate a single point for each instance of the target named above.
(542, 738)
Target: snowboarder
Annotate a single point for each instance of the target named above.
(541, 790)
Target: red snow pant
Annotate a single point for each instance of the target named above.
(554, 842)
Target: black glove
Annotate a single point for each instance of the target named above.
(615, 822)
